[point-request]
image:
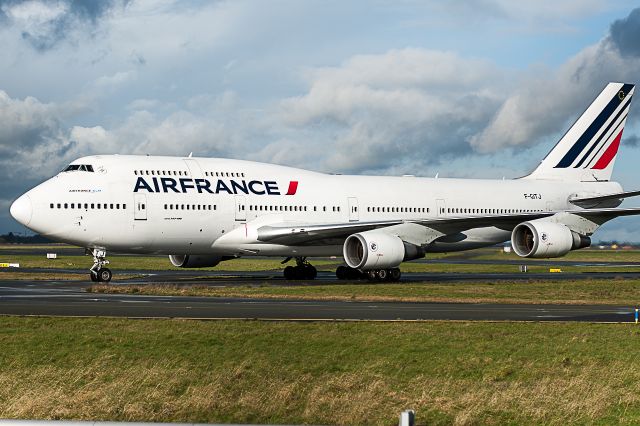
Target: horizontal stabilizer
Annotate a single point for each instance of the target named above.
(609, 200)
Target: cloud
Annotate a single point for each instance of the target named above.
(43, 24)
(26, 124)
(631, 140)
(409, 109)
(625, 34)
(374, 111)
(544, 103)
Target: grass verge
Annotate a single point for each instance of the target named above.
(322, 373)
(62, 276)
(617, 292)
(260, 264)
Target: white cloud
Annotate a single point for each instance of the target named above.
(374, 111)
(543, 105)
(35, 17)
(114, 80)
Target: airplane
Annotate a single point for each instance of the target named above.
(203, 211)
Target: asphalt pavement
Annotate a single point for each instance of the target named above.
(70, 298)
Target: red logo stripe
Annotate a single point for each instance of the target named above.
(609, 154)
(293, 188)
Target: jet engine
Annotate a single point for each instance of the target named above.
(377, 250)
(544, 239)
(194, 261)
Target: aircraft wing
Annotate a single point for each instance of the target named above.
(312, 234)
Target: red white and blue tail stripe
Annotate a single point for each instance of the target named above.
(588, 150)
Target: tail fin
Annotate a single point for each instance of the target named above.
(588, 150)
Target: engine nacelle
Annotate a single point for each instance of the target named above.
(194, 261)
(377, 250)
(544, 239)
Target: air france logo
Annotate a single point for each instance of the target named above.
(186, 185)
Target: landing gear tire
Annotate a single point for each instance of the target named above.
(289, 273)
(104, 275)
(310, 272)
(395, 274)
(346, 273)
(341, 272)
(382, 274)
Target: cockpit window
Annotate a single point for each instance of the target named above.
(79, 168)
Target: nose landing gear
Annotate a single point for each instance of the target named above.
(98, 272)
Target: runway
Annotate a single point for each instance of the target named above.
(235, 278)
(67, 298)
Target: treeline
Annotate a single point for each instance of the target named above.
(12, 238)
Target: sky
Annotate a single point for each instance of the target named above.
(474, 89)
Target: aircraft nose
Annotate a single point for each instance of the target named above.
(22, 209)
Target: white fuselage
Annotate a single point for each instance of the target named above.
(172, 205)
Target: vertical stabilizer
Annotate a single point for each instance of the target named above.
(587, 152)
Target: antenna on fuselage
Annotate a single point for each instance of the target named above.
(437, 175)
(191, 154)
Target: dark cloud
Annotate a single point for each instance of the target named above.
(631, 140)
(44, 35)
(625, 34)
(90, 9)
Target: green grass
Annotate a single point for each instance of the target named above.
(320, 373)
(617, 292)
(274, 264)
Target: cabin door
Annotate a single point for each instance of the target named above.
(442, 207)
(353, 209)
(241, 208)
(140, 207)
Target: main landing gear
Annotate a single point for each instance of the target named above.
(302, 271)
(346, 273)
(98, 272)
